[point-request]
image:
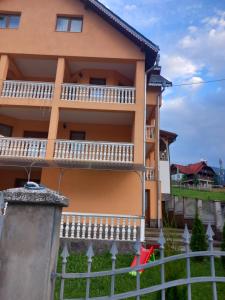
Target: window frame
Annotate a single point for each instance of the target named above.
(73, 132)
(69, 19)
(7, 127)
(8, 15)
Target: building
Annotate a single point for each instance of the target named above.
(166, 139)
(79, 107)
(194, 174)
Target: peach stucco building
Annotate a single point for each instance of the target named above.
(79, 107)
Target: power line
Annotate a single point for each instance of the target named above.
(202, 82)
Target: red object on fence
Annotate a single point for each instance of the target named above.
(145, 255)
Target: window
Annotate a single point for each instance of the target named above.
(77, 135)
(11, 21)
(5, 130)
(69, 24)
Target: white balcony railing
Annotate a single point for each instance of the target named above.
(23, 148)
(94, 151)
(27, 89)
(150, 132)
(164, 155)
(102, 227)
(98, 94)
(149, 174)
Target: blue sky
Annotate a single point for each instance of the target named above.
(191, 37)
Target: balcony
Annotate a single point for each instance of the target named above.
(150, 132)
(27, 89)
(23, 148)
(102, 227)
(150, 174)
(98, 94)
(94, 152)
(76, 153)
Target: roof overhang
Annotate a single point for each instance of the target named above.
(151, 50)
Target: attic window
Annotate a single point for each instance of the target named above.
(69, 24)
(10, 21)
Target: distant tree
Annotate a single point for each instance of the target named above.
(198, 238)
(223, 246)
(184, 178)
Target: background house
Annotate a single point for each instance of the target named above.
(193, 174)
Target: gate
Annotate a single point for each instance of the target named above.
(138, 292)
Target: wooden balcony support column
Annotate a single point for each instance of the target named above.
(4, 66)
(54, 119)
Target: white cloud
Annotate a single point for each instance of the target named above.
(179, 67)
(130, 7)
(173, 105)
(195, 82)
(205, 45)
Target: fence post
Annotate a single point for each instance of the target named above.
(29, 243)
(162, 242)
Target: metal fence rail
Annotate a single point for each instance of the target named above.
(138, 292)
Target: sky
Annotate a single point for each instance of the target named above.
(191, 37)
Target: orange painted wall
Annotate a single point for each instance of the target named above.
(98, 191)
(19, 126)
(9, 176)
(95, 132)
(112, 77)
(36, 34)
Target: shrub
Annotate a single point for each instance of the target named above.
(198, 238)
(223, 246)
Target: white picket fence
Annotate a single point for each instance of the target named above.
(27, 89)
(98, 94)
(101, 227)
(23, 148)
(94, 151)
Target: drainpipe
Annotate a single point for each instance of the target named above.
(158, 158)
(144, 148)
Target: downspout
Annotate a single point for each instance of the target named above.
(158, 158)
(144, 148)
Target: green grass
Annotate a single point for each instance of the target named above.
(196, 194)
(101, 286)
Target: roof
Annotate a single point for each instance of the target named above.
(192, 168)
(159, 80)
(140, 40)
(170, 136)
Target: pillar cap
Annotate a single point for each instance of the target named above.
(41, 197)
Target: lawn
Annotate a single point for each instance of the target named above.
(197, 194)
(101, 286)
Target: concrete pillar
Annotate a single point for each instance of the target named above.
(54, 118)
(29, 244)
(218, 216)
(4, 66)
(52, 132)
(139, 124)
